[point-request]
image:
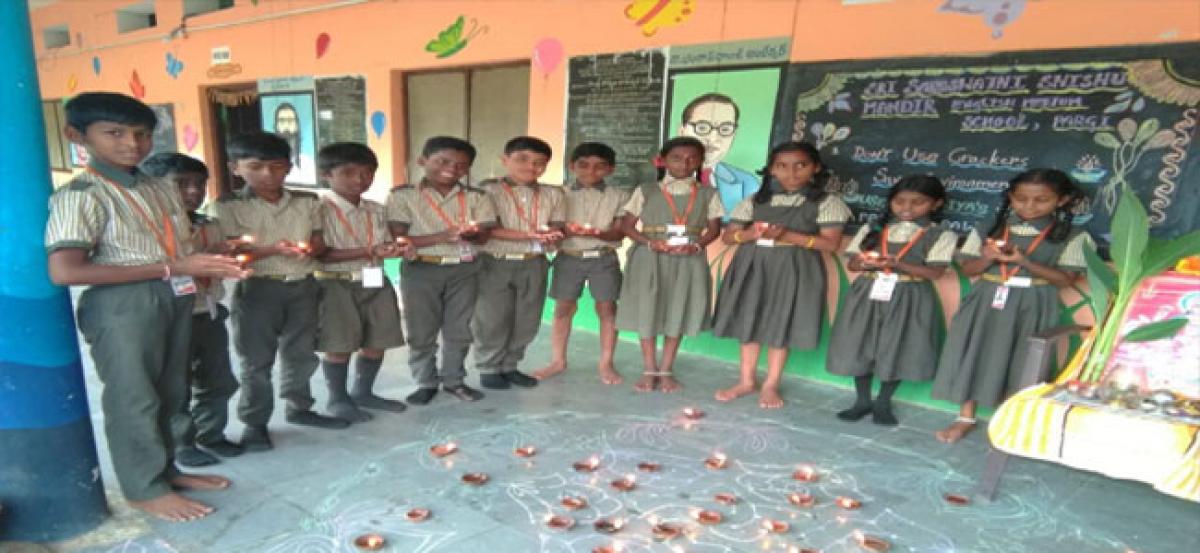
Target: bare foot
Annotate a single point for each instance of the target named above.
(646, 383)
(610, 376)
(200, 482)
(173, 507)
(736, 391)
(769, 398)
(955, 432)
(555, 368)
(668, 385)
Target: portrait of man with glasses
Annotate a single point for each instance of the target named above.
(713, 119)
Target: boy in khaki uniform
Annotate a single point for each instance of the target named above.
(358, 310)
(199, 428)
(588, 255)
(444, 220)
(512, 291)
(275, 311)
(124, 235)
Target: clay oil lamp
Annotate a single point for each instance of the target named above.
(726, 498)
(706, 517)
(956, 499)
(692, 413)
(805, 473)
(608, 525)
(475, 478)
(369, 542)
(525, 451)
(625, 483)
(775, 526)
(647, 466)
(847, 503)
(574, 503)
(442, 450)
(559, 522)
(590, 465)
(873, 544)
(718, 461)
(801, 499)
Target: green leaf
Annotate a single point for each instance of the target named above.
(1156, 330)
(1162, 254)
(1107, 140)
(1130, 233)
(1148, 128)
(1101, 282)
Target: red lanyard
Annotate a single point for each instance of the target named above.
(900, 255)
(1004, 272)
(350, 228)
(164, 235)
(462, 208)
(675, 216)
(532, 221)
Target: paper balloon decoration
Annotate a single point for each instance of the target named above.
(322, 44)
(378, 123)
(547, 54)
(96, 64)
(190, 137)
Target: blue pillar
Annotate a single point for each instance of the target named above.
(50, 485)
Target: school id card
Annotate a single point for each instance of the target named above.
(372, 277)
(884, 286)
(183, 285)
(1000, 298)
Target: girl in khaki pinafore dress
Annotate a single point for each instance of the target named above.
(665, 291)
(774, 290)
(1026, 255)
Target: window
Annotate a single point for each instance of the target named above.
(136, 16)
(57, 147)
(197, 7)
(56, 36)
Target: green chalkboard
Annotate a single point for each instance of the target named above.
(1105, 116)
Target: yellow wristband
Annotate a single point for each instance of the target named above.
(811, 240)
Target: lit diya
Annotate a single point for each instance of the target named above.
(525, 451)
(625, 484)
(956, 499)
(369, 542)
(726, 499)
(775, 526)
(663, 531)
(475, 478)
(847, 503)
(706, 516)
(692, 413)
(806, 473)
(871, 543)
(417, 515)
(608, 525)
(574, 503)
(801, 499)
(614, 548)
(717, 461)
(590, 465)
(246, 239)
(442, 450)
(302, 246)
(243, 258)
(647, 466)
(560, 522)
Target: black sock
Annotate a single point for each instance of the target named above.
(862, 405)
(881, 413)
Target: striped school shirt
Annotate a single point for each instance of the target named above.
(410, 205)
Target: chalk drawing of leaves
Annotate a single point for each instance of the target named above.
(1131, 141)
(841, 102)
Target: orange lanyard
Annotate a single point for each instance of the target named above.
(350, 228)
(883, 248)
(675, 216)
(462, 208)
(1004, 272)
(164, 235)
(203, 237)
(532, 221)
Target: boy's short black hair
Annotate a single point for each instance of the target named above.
(342, 153)
(529, 143)
(166, 163)
(439, 143)
(258, 145)
(94, 107)
(594, 149)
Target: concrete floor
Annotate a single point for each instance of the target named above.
(319, 489)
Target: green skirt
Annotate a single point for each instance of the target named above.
(772, 296)
(664, 295)
(892, 340)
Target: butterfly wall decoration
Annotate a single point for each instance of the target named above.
(454, 38)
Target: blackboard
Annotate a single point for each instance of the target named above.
(617, 99)
(975, 122)
(341, 110)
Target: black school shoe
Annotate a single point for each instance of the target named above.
(192, 457)
(493, 381)
(517, 378)
(464, 392)
(255, 438)
(422, 396)
(222, 447)
(312, 418)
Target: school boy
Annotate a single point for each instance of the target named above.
(588, 254)
(513, 287)
(199, 427)
(445, 221)
(124, 235)
(358, 309)
(276, 309)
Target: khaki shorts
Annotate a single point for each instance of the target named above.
(353, 317)
(602, 275)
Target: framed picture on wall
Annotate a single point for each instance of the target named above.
(290, 115)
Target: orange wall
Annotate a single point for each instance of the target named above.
(380, 38)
